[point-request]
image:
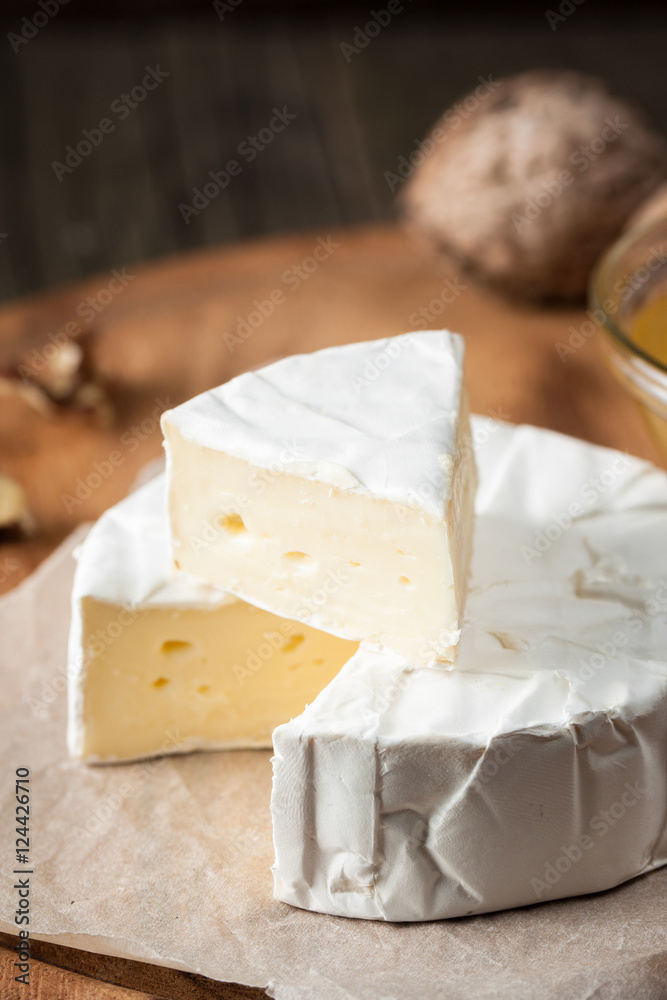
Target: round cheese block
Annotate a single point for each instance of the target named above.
(535, 766)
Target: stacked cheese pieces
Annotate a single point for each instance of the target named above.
(296, 489)
(332, 495)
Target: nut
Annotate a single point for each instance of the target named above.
(14, 513)
(63, 378)
(528, 190)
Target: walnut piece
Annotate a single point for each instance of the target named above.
(15, 516)
(527, 188)
(61, 375)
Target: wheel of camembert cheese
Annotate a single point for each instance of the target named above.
(536, 766)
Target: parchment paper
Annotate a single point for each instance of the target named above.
(168, 861)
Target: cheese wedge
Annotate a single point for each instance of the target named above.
(334, 488)
(536, 767)
(161, 663)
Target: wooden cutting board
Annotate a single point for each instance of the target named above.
(182, 325)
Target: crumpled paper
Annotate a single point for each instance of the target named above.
(168, 861)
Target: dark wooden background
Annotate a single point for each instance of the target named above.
(354, 119)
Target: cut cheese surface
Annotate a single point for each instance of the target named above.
(535, 767)
(334, 488)
(162, 663)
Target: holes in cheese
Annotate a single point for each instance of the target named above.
(299, 557)
(175, 647)
(293, 642)
(232, 523)
(160, 682)
(406, 581)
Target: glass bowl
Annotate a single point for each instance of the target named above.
(628, 297)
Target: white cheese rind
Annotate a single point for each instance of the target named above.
(535, 768)
(126, 557)
(378, 417)
(336, 489)
(161, 663)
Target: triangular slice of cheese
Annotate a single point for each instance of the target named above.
(334, 488)
(161, 663)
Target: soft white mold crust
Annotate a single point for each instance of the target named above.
(376, 417)
(534, 767)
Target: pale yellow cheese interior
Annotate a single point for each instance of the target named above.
(183, 678)
(351, 564)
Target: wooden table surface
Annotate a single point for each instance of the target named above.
(173, 332)
(355, 116)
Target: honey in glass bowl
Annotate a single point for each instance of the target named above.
(628, 295)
